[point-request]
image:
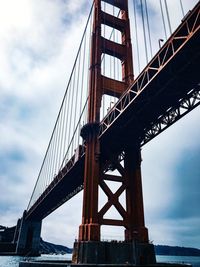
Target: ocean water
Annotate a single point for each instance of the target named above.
(195, 261)
(12, 261)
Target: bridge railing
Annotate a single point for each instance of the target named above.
(79, 153)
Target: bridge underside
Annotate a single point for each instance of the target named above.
(67, 184)
(166, 93)
(170, 95)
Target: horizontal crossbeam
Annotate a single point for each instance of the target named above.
(118, 3)
(113, 22)
(112, 87)
(113, 49)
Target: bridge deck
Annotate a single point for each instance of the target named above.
(168, 83)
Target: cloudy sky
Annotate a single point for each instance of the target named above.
(38, 44)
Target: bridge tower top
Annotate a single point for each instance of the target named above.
(99, 84)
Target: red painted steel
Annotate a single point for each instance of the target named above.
(96, 160)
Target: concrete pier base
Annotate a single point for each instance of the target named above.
(7, 248)
(28, 242)
(91, 252)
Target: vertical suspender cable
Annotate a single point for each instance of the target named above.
(47, 169)
(70, 133)
(59, 142)
(114, 39)
(76, 102)
(118, 61)
(114, 33)
(82, 83)
(57, 145)
(73, 135)
(63, 130)
(136, 34)
(182, 9)
(50, 152)
(104, 64)
(61, 136)
(144, 30)
(66, 137)
(51, 160)
(110, 71)
(163, 19)
(168, 18)
(55, 137)
(89, 60)
(148, 27)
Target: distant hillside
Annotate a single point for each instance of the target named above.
(176, 251)
(7, 234)
(49, 248)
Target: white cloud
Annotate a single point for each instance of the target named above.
(38, 44)
(62, 225)
(160, 160)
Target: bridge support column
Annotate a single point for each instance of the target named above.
(102, 160)
(136, 229)
(135, 249)
(16, 234)
(29, 237)
(89, 230)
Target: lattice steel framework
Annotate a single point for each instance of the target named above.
(185, 105)
(187, 30)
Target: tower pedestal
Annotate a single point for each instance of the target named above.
(133, 253)
(28, 242)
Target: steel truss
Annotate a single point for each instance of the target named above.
(185, 105)
(189, 27)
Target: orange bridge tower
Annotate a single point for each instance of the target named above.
(103, 162)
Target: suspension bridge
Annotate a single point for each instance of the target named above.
(106, 116)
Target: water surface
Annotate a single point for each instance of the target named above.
(195, 261)
(13, 261)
